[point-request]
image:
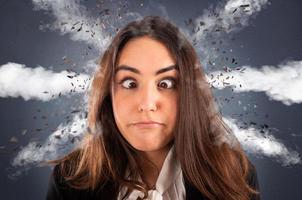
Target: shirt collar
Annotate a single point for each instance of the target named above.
(167, 176)
(169, 171)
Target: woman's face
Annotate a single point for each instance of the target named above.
(145, 95)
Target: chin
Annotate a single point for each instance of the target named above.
(147, 141)
(147, 147)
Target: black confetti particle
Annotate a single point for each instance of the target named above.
(58, 137)
(253, 123)
(75, 111)
(244, 5)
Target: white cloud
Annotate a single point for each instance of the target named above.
(257, 143)
(67, 136)
(38, 83)
(59, 143)
(227, 18)
(70, 17)
(282, 83)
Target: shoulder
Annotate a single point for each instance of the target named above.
(252, 177)
(59, 189)
(193, 193)
(252, 180)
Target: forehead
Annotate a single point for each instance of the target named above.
(145, 54)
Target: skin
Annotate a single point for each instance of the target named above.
(146, 97)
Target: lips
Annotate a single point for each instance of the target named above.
(147, 124)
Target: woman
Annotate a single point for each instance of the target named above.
(154, 130)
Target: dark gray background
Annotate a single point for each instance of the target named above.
(272, 37)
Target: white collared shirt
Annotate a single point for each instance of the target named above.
(169, 184)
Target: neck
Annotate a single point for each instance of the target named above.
(151, 163)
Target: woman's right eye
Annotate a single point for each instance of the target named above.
(128, 83)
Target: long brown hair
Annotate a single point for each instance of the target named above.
(217, 167)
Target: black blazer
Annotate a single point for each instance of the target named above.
(59, 190)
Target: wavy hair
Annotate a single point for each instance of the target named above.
(211, 158)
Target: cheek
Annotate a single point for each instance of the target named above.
(171, 106)
(120, 109)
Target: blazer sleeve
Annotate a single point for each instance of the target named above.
(253, 181)
(58, 189)
(53, 191)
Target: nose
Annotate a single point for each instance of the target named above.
(148, 99)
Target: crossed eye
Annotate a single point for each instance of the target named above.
(165, 83)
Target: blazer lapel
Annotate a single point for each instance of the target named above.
(192, 193)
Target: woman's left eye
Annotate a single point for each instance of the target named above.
(167, 83)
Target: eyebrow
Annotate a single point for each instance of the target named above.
(134, 70)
